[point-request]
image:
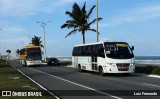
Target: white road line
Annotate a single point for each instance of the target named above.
(78, 84)
(155, 76)
(35, 81)
(151, 85)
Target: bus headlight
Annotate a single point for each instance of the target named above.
(29, 62)
(132, 64)
(112, 64)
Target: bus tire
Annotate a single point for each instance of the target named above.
(79, 68)
(25, 63)
(101, 71)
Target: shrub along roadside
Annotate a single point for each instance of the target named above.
(148, 70)
(12, 80)
(65, 63)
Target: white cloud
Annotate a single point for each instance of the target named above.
(105, 39)
(102, 25)
(139, 14)
(12, 28)
(12, 44)
(135, 15)
(15, 30)
(31, 7)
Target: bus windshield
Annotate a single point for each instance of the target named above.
(34, 56)
(118, 51)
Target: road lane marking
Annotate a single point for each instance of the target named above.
(151, 85)
(34, 80)
(77, 84)
(155, 76)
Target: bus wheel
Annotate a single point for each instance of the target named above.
(101, 71)
(79, 68)
(25, 63)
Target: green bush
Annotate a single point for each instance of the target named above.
(2, 62)
(148, 70)
(156, 71)
(65, 63)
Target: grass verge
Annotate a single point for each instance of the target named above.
(148, 70)
(11, 79)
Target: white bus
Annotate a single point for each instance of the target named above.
(104, 57)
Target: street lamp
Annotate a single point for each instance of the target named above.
(97, 21)
(43, 24)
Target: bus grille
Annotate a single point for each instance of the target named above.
(123, 66)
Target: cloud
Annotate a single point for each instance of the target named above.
(105, 39)
(138, 14)
(30, 7)
(12, 44)
(15, 29)
(11, 28)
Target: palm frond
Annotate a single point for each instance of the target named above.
(70, 33)
(83, 11)
(93, 30)
(90, 12)
(64, 25)
(70, 14)
(92, 22)
(77, 12)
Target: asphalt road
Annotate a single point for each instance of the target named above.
(67, 83)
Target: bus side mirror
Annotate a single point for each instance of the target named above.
(132, 48)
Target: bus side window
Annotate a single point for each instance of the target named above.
(78, 51)
(74, 51)
(83, 50)
(101, 51)
(88, 50)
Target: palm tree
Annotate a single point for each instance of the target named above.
(36, 41)
(7, 58)
(8, 51)
(79, 20)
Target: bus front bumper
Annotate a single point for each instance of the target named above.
(131, 69)
(32, 63)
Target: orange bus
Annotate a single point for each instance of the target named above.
(30, 55)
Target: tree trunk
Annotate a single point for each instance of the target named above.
(83, 34)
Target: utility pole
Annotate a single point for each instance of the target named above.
(43, 24)
(97, 21)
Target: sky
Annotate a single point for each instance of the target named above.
(136, 22)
